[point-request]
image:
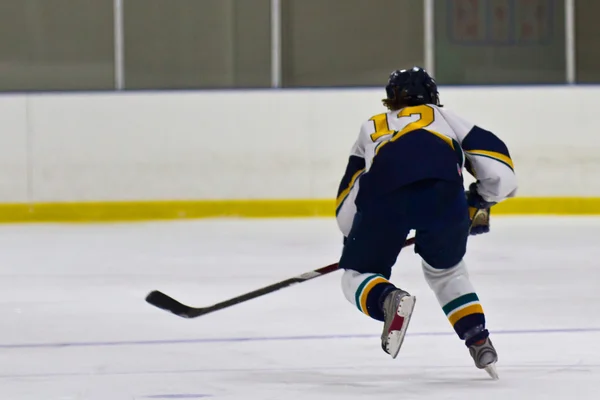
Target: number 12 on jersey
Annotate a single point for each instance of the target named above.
(426, 117)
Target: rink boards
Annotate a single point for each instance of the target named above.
(261, 153)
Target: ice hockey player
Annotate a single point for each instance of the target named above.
(405, 172)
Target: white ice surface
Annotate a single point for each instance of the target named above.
(74, 324)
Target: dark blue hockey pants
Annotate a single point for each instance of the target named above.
(436, 210)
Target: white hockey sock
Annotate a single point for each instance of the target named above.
(363, 290)
(456, 295)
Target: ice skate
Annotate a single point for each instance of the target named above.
(397, 310)
(485, 356)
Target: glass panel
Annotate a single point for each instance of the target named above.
(349, 42)
(500, 41)
(56, 45)
(587, 39)
(182, 44)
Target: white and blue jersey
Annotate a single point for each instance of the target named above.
(401, 147)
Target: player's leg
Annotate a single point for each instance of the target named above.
(377, 235)
(442, 246)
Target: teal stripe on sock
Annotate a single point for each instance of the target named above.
(360, 289)
(461, 301)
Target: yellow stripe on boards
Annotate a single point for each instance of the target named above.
(261, 208)
(164, 210)
(548, 206)
(366, 290)
(463, 312)
(346, 191)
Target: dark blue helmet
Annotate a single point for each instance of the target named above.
(412, 87)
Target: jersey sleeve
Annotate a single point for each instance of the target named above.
(348, 187)
(487, 159)
(356, 165)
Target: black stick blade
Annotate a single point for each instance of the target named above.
(167, 303)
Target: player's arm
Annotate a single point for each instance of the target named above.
(354, 168)
(490, 163)
(347, 190)
(348, 187)
(487, 159)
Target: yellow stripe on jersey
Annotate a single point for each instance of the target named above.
(494, 155)
(346, 191)
(443, 137)
(399, 134)
(380, 145)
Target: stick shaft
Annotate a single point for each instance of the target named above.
(165, 302)
(275, 287)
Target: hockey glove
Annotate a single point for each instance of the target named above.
(479, 211)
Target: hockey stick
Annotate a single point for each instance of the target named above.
(167, 303)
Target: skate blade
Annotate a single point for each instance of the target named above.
(402, 319)
(491, 370)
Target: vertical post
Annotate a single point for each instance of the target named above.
(429, 37)
(275, 43)
(119, 44)
(570, 45)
